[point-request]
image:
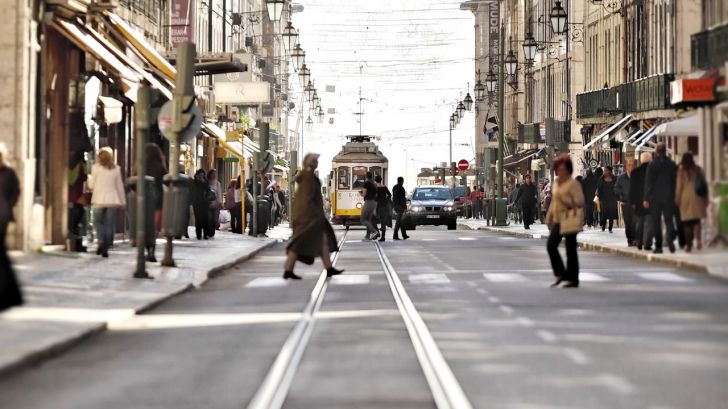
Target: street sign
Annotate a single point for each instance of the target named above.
(164, 120)
(593, 163)
(463, 164)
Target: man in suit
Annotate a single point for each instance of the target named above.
(642, 222)
(399, 199)
(527, 197)
(660, 196)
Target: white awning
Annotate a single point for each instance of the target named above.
(645, 142)
(231, 146)
(602, 137)
(689, 126)
(113, 110)
(635, 136)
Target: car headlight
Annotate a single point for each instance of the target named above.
(416, 209)
(448, 208)
(358, 205)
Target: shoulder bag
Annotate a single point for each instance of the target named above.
(571, 220)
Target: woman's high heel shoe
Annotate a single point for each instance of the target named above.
(333, 272)
(289, 275)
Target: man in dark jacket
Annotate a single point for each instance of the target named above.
(399, 200)
(527, 197)
(589, 187)
(660, 196)
(642, 222)
(621, 189)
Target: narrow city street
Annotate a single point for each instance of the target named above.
(634, 335)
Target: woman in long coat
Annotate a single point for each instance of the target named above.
(692, 205)
(607, 199)
(312, 234)
(10, 294)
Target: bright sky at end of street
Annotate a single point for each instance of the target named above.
(413, 60)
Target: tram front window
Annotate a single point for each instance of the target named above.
(359, 175)
(376, 171)
(343, 179)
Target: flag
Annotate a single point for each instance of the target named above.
(491, 126)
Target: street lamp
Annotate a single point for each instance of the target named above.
(275, 9)
(461, 109)
(491, 81)
(309, 124)
(513, 81)
(290, 35)
(468, 101)
(304, 74)
(299, 57)
(316, 101)
(530, 47)
(559, 18)
(452, 121)
(479, 90)
(310, 90)
(320, 115)
(511, 63)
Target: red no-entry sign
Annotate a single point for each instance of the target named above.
(463, 164)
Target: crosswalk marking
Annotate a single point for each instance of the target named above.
(429, 279)
(350, 279)
(504, 277)
(262, 282)
(667, 277)
(592, 277)
(466, 238)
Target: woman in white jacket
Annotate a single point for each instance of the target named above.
(108, 195)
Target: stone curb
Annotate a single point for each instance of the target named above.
(607, 249)
(61, 346)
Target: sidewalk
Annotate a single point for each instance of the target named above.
(709, 260)
(70, 296)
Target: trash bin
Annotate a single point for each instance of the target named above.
(263, 215)
(149, 205)
(176, 210)
(501, 211)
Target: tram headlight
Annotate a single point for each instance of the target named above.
(358, 205)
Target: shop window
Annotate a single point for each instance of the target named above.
(343, 178)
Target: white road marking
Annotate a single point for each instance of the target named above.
(262, 282)
(617, 384)
(506, 309)
(666, 277)
(472, 284)
(576, 356)
(428, 239)
(482, 291)
(546, 336)
(592, 277)
(505, 277)
(467, 238)
(433, 278)
(506, 238)
(524, 322)
(350, 279)
(537, 236)
(494, 300)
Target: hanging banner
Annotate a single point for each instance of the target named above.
(182, 20)
(493, 30)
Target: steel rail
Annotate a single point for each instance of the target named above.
(446, 390)
(273, 391)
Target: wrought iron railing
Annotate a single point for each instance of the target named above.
(529, 133)
(646, 94)
(709, 49)
(557, 132)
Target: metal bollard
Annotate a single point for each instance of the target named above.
(176, 207)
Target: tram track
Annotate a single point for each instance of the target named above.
(444, 387)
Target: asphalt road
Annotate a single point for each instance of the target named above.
(635, 335)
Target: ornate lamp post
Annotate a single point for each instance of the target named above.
(290, 35)
(299, 57)
(275, 9)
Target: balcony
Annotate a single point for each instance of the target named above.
(646, 94)
(557, 132)
(529, 133)
(709, 49)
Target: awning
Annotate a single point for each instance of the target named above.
(249, 147)
(519, 157)
(689, 126)
(602, 137)
(217, 63)
(142, 46)
(645, 141)
(635, 136)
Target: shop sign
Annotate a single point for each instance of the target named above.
(692, 90)
(242, 93)
(182, 20)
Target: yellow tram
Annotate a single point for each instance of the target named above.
(348, 171)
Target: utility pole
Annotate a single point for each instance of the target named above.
(142, 117)
(499, 219)
(183, 100)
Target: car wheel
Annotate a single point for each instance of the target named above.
(452, 226)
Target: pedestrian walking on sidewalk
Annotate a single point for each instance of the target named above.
(369, 192)
(384, 206)
(156, 168)
(10, 294)
(607, 199)
(590, 185)
(312, 234)
(691, 196)
(660, 184)
(202, 197)
(565, 219)
(399, 199)
(642, 220)
(216, 205)
(527, 197)
(108, 196)
(621, 189)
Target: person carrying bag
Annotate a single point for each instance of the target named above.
(565, 219)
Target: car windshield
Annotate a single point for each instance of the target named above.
(460, 191)
(434, 193)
